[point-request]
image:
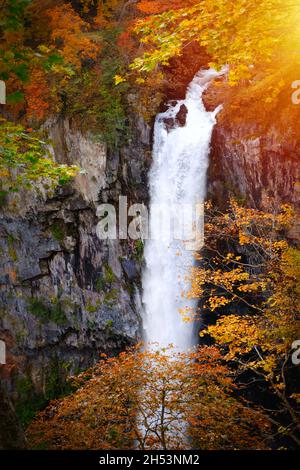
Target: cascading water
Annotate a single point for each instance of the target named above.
(177, 180)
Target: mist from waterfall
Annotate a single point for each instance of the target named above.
(177, 179)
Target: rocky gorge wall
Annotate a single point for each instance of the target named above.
(65, 295)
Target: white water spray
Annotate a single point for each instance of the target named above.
(177, 177)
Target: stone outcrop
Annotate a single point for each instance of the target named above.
(255, 150)
(65, 294)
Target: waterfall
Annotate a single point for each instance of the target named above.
(177, 181)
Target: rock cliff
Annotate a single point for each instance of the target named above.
(255, 149)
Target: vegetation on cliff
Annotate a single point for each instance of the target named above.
(249, 283)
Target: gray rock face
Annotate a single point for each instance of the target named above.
(64, 294)
(11, 434)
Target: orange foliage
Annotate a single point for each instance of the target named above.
(13, 37)
(250, 275)
(153, 7)
(227, 278)
(37, 12)
(107, 12)
(69, 32)
(100, 20)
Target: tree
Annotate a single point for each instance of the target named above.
(37, 94)
(68, 33)
(25, 160)
(157, 399)
(11, 434)
(151, 7)
(249, 276)
(241, 34)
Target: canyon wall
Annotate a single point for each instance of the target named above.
(65, 294)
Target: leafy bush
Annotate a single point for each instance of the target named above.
(109, 276)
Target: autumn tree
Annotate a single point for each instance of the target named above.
(151, 7)
(41, 49)
(157, 399)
